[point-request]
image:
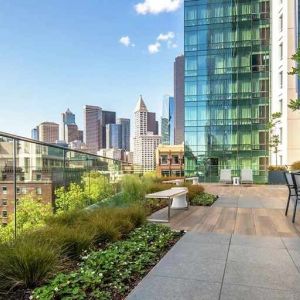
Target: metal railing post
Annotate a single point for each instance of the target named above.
(15, 185)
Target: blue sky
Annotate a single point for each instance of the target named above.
(56, 54)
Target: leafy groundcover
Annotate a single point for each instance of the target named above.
(204, 199)
(112, 272)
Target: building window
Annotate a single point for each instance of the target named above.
(281, 51)
(4, 202)
(38, 177)
(164, 159)
(18, 190)
(264, 34)
(4, 190)
(280, 106)
(280, 135)
(281, 23)
(4, 214)
(281, 79)
(175, 159)
(165, 173)
(38, 191)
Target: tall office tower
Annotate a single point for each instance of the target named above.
(67, 118)
(125, 133)
(108, 117)
(35, 133)
(80, 135)
(285, 37)
(145, 142)
(227, 87)
(92, 128)
(114, 136)
(71, 133)
(179, 99)
(48, 132)
(167, 121)
(152, 124)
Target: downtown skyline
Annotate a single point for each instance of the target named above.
(49, 63)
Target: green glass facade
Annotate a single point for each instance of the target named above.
(227, 63)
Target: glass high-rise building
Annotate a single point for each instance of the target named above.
(125, 133)
(114, 136)
(108, 117)
(179, 99)
(168, 121)
(227, 87)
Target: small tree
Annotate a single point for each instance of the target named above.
(97, 186)
(274, 139)
(71, 198)
(295, 104)
(31, 213)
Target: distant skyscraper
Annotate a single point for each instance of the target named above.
(167, 121)
(67, 118)
(108, 117)
(35, 133)
(145, 142)
(125, 133)
(92, 128)
(152, 124)
(80, 135)
(48, 132)
(179, 99)
(114, 136)
(71, 133)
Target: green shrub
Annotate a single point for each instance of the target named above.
(157, 187)
(68, 218)
(277, 168)
(295, 166)
(70, 198)
(31, 213)
(97, 186)
(137, 215)
(104, 229)
(193, 190)
(133, 188)
(203, 199)
(27, 263)
(71, 241)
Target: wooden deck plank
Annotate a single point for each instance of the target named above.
(226, 221)
(209, 220)
(245, 222)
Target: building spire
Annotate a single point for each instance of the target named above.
(141, 106)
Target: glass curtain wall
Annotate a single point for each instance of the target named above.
(226, 87)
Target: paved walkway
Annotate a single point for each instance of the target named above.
(221, 266)
(243, 247)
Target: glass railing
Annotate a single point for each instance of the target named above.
(35, 170)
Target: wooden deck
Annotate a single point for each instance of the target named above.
(253, 210)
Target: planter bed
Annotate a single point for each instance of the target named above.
(111, 273)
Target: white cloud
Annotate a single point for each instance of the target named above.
(166, 36)
(157, 6)
(154, 48)
(125, 40)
